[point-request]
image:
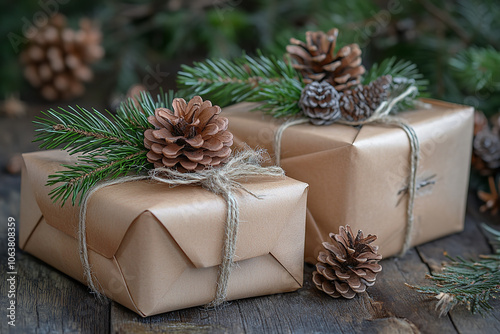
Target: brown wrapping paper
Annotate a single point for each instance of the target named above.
(156, 249)
(357, 175)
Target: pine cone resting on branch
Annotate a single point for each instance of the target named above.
(320, 103)
(190, 137)
(349, 264)
(317, 61)
(57, 58)
(360, 103)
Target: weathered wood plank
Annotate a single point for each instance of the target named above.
(381, 310)
(303, 311)
(399, 302)
(468, 244)
(47, 300)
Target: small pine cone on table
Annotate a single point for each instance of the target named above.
(317, 60)
(189, 138)
(360, 103)
(348, 265)
(57, 59)
(320, 103)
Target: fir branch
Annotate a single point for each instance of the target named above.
(466, 282)
(62, 127)
(280, 99)
(477, 69)
(136, 110)
(76, 180)
(397, 69)
(109, 147)
(81, 131)
(225, 82)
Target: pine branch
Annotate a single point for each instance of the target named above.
(225, 82)
(280, 99)
(62, 127)
(76, 180)
(466, 282)
(109, 147)
(81, 131)
(477, 69)
(446, 18)
(136, 111)
(396, 68)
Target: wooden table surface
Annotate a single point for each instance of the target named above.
(48, 301)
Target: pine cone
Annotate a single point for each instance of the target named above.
(190, 137)
(320, 102)
(360, 103)
(57, 58)
(487, 149)
(349, 264)
(317, 60)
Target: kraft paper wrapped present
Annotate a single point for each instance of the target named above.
(359, 175)
(156, 249)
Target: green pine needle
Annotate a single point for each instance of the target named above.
(280, 99)
(76, 180)
(396, 68)
(477, 69)
(467, 282)
(226, 82)
(109, 146)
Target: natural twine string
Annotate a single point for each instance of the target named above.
(221, 181)
(380, 116)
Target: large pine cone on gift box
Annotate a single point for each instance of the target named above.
(317, 60)
(320, 103)
(360, 103)
(57, 59)
(348, 265)
(190, 137)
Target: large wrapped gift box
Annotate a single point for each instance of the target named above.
(359, 175)
(155, 249)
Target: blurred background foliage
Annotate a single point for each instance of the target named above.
(454, 43)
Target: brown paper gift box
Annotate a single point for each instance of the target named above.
(356, 174)
(156, 249)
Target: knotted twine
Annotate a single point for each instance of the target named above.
(221, 181)
(380, 116)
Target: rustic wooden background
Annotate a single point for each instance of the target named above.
(51, 302)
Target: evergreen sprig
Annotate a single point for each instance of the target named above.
(477, 69)
(271, 81)
(397, 69)
(280, 99)
(108, 146)
(467, 282)
(225, 82)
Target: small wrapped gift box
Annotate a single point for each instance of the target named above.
(155, 248)
(359, 175)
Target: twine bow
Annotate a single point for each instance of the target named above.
(223, 181)
(380, 116)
